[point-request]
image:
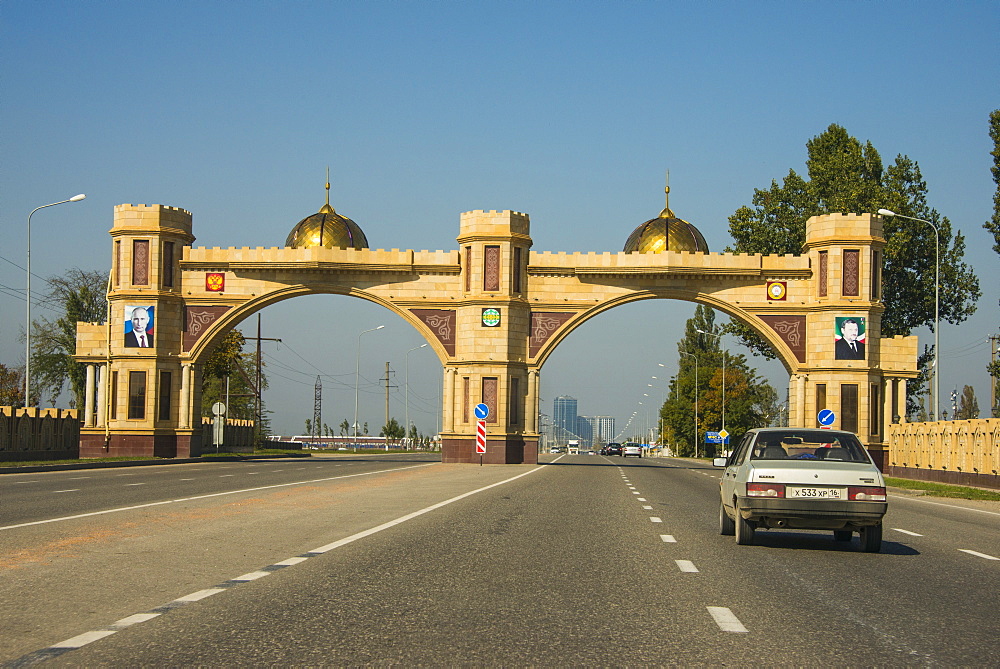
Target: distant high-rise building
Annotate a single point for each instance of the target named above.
(564, 417)
(600, 429)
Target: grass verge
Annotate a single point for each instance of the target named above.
(943, 489)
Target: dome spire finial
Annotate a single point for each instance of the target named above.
(667, 213)
(327, 209)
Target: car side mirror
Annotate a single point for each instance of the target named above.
(719, 462)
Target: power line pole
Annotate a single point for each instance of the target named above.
(387, 386)
(255, 385)
(317, 409)
(994, 349)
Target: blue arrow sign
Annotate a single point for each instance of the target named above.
(826, 417)
(482, 411)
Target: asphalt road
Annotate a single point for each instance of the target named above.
(587, 560)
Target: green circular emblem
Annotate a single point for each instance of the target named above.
(491, 317)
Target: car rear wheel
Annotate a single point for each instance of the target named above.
(744, 529)
(842, 535)
(871, 538)
(726, 525)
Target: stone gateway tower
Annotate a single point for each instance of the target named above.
(493, 310)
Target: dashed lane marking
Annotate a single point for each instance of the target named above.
(912, 534)
(95, 635)
(647, 507)
(686, 566)
(668, 539)
(654, 519)
(70, 490)
(978, 554)
(725, 619)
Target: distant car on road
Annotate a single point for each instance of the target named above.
(805, 479)
(613, 448)
(632, 448)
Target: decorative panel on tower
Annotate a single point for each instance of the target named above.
(140, 262)
(491, 268)
(852, 273)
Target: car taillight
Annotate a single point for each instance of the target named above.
(765, 489)
(866, 493)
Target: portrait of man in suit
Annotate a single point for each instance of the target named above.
(850, 344)
(139, 327)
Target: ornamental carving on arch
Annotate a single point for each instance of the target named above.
(543, 325)
(792, 331)
(442, 323)
(197, 320)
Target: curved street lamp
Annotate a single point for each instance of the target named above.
(937, 303)
(724, 356)
(357, 376)
(406, 389)
(695, 400)
(27, 295)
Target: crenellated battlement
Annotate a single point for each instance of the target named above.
(195, 257)
(151, 217)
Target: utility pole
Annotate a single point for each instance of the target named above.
(387, 386)
(255, 385)
(994, 349)
(318, 409)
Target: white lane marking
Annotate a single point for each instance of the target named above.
(411, 516)
(78, 478)
(640, 499)
(725, 619)
(252, 576)
(631, 487)
(912, 534)
(210, 495)
(291, 561)
(83, 639)
(70, 490)
(654, 519)
(978, 554)
(686, 566)
(647, 507)
(950, 506)
(186, 479)
(127, 485)
(23, 482)
(636, 493)
(222, 476)
(668, 539)
(200, 595)
(137, 618)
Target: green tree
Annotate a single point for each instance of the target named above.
(309, 426)
(993, 225)
(968, 405)
(345, 427)
(11, 386)
(228, 363)
(77, 295)
(750, 401)
(847, 176)
(392, 430)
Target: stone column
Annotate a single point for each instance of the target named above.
(800, 400)
(901, 400)
(103, 379)
(448, 410)
(887, 407)
(88, 410)
(185, 408)
(531, 404)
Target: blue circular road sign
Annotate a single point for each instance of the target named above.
(482, 411)
(826, 417)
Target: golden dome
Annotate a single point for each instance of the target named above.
(327, 229)
(664, 233)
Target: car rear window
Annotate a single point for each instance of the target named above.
(813, 445)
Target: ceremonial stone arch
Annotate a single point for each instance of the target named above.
(493, 311)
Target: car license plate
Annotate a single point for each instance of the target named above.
(814, 493)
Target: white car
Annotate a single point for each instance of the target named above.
(631, 449)
(805, 479)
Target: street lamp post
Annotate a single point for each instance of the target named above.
(724, 356)
(937, 304)
(357, 376)
(27, 300)
(695, 400)
(406, 389)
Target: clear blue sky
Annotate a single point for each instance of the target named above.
(568, 111)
